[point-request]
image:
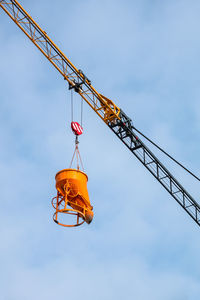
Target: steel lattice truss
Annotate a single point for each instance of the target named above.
(104, 107)
(124, 131)
(115, 118)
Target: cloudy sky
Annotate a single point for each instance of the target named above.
(141, 245)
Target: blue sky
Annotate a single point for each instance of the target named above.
(145, 56)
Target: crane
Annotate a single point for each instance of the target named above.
(114, 117)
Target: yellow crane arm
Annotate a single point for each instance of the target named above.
(104, 107)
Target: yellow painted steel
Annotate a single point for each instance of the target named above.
(72, 197)
(104, 107)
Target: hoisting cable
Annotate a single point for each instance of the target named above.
(82, 112)
(77, 130)
(72, 106)
(167, 154)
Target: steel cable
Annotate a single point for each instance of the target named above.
(167, 154)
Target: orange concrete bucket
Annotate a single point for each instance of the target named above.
(72, 198)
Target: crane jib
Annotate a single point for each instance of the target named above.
(106, 109)
(126, 134)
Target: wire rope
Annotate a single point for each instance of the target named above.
(167, 154)
(72, 106)
(82, 112)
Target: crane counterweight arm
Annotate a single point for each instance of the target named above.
(105, 108)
